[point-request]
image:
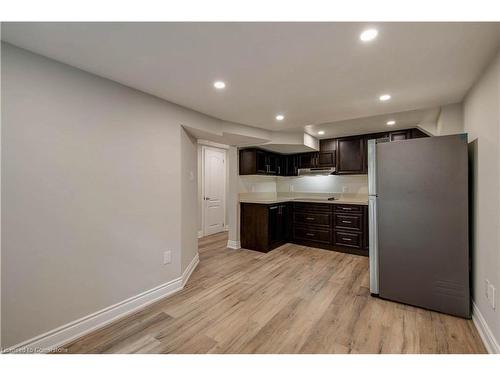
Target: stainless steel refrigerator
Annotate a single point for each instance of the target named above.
(418, 222)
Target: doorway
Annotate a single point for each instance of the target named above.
(213, 190)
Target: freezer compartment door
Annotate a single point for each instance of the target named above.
(373, 244)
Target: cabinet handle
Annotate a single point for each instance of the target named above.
(346, 208)
(310, 218)
(279, 169)
(346, 239)
(346, 221)
(310, 234)
(273, 208)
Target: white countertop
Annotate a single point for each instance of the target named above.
(306, 200)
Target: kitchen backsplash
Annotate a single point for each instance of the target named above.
(323, 184)
(258, 184)
(357, 184)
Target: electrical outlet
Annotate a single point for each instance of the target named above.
(291, 188)
(344, 189)
(167, 257)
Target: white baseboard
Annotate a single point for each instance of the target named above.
(55, 338)
(484, 330)
(189, 269)
(233, 244)
(200, 233)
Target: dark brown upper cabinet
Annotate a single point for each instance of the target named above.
(347, 154)
(307, 160)
(324, 158)
(289, 165)
(327, 153)
(351, 155)
(274, 162)
(252, 162)
(400, 135)
(417, 133)
(255, 161)
(262, 162)
(377, 136)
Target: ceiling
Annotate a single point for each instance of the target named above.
(373, 124)
(313, 73)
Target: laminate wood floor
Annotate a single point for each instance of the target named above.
(295, 299)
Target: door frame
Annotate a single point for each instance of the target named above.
(224, 205)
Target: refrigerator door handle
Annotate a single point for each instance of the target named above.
(372, 167)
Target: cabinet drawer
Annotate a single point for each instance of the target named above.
(348, 208)
(311, 218)
(347, 221)
(348, 239)
(316, 235)
(311, 207)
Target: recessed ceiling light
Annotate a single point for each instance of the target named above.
(219, 85)
(280, 117)
(384, 98)
(368, 35)
(321, 132)
(391, 122)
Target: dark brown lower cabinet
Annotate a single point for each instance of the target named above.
(339, 227)
(264, 226)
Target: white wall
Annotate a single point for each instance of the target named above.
(189, 190)
(233, 205)
(450, 120)
(482, 123)
(91, 180)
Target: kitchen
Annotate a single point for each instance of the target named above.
(389, 229)
(250, 187)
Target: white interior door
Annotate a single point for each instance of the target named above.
(214, 183)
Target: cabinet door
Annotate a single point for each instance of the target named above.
(282, 160)
(273, 162)
(326, 156)
(247, 162)
(376, 136)
(326, 159)
(274, 224)
(307, 160)
(400, 135)
(351, 155)
(290, 165)
(417, 133)
(261, 162)
(284, 222)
